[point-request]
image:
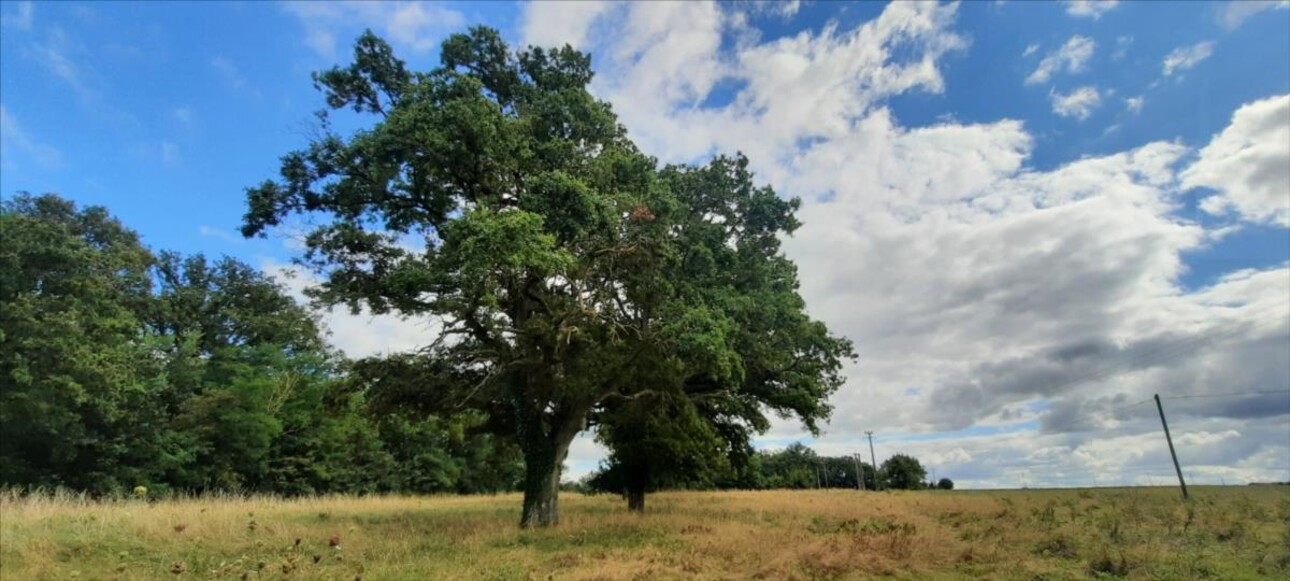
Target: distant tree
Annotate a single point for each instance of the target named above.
(657, 442)
(945, 484)
(497, 196)
(903, 472)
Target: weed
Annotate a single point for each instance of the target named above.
(1059, 546)
(1107, 566)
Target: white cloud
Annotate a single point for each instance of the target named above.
(1030, 49)
(1122, 44)
(658, 62)
(978, 291)
(561, 22)
(1233, 13)
(1071, 57)
(229, 71)
(232, 76)
(415, 25)
(15, 142)
(1134, 104)
(1186, 57)
(1090, 8)
(21, 17)
(358, 335)
(1202, 437)
(225, 235)
(1248, 163)
(54, 56)
(1078, 103)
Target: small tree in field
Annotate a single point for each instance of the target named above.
(903, 472)
(945, 484)
(497, 196)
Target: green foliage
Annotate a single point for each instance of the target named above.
(903, 472)
(794, 467)
(122, 371)
(945, 484)
(72, 359)
(496, 194)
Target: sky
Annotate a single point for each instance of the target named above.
(1029, 217)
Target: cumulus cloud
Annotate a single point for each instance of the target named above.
(1186, 57)
(1072, 57)
(1010, 321)
(659, 62)
(1078, 103)
(1134, 104)
(414, 25)
(1090, 8)
(1248, 164)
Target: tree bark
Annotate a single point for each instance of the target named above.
(543, 462)
(541, 490)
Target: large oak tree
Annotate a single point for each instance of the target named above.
(497, 196)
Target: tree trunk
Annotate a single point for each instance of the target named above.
(541, 491)
(637, 483)
(543, 462)
(636, 500)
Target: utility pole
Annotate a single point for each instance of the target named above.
(859, 472)
(877, 485)
(1181, 483)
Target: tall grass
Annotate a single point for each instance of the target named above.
(1224, 533)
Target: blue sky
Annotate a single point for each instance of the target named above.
(953, 148)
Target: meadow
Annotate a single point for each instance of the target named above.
(1144, 533)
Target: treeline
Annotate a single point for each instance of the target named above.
(794, 467)
(122, 367)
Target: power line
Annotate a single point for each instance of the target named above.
(1229, 394)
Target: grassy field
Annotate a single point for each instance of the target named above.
(1224, 533)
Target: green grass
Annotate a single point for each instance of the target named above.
(1223, 533)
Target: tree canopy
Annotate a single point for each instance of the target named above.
(495, 195)
(903, 472)
(121, 368)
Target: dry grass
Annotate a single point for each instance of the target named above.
(1225, 533)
